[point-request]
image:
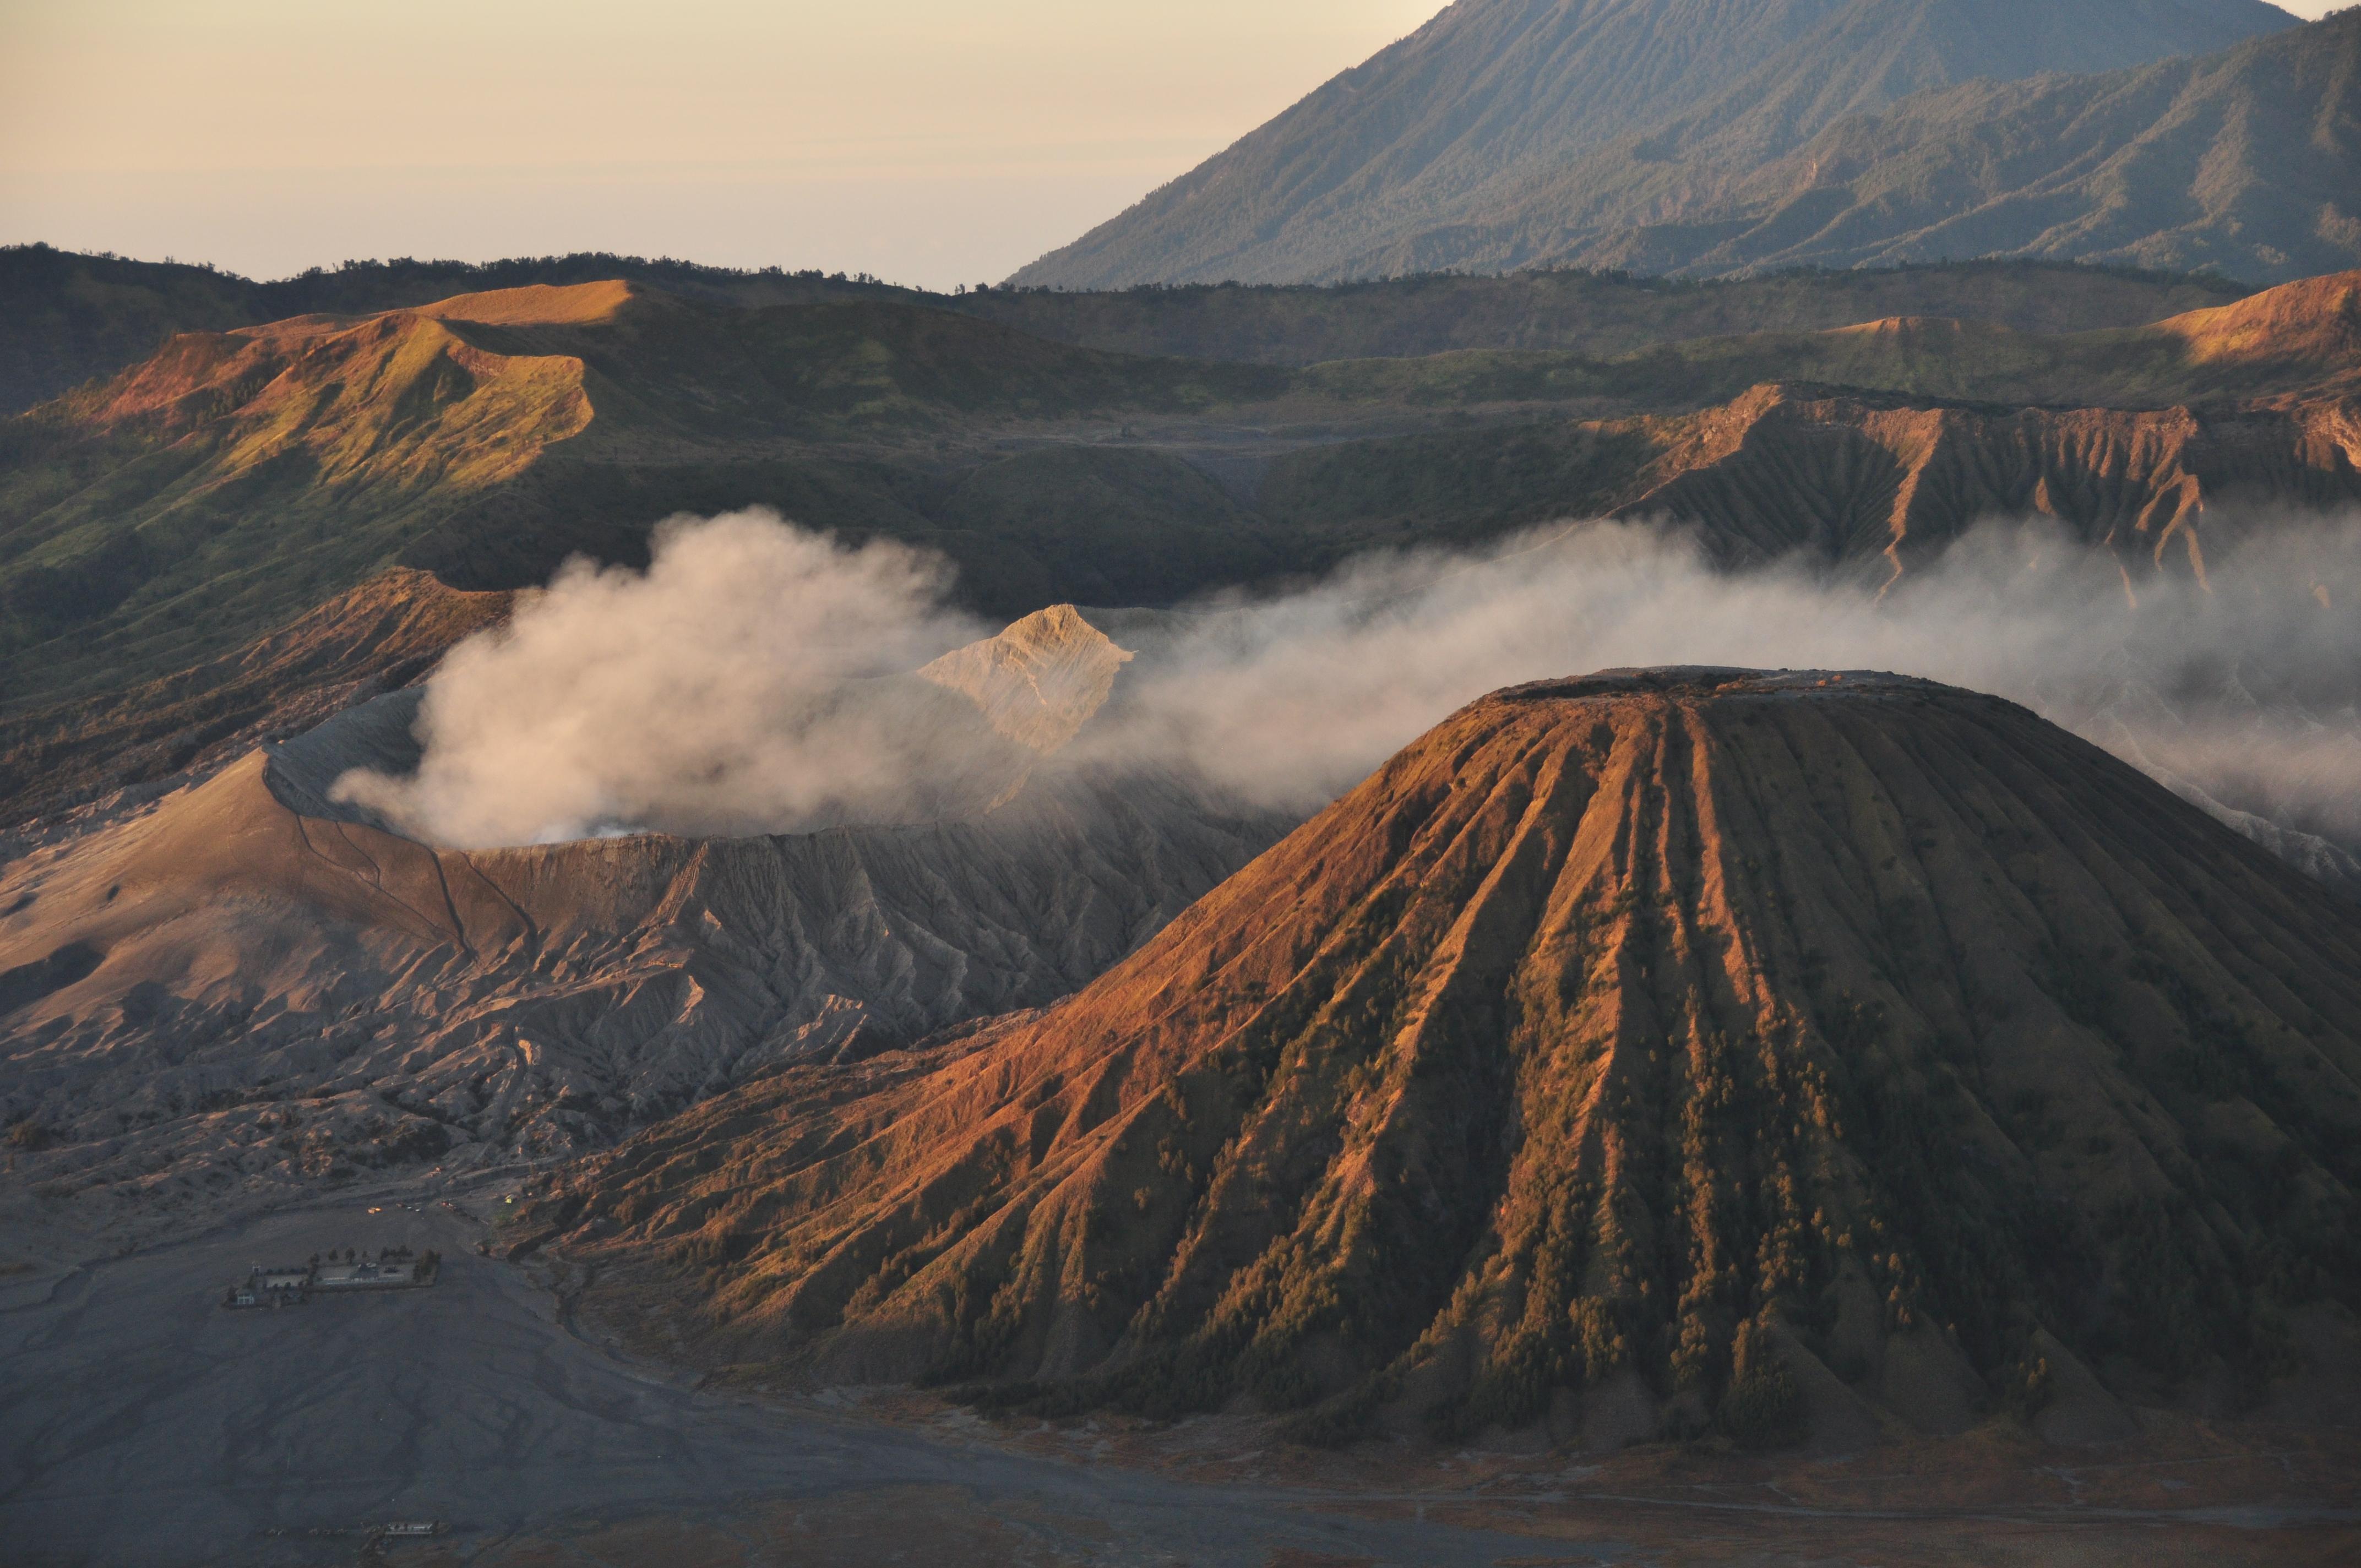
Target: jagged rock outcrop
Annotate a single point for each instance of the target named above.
(1663, 1049)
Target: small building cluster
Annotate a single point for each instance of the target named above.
(393, 1268)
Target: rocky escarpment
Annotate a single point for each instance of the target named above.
(1882, 484)
(1659, 1050)
(235, 482)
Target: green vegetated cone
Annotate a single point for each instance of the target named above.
(1694, 1037)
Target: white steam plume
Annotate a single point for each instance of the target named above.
(2250, 681)
(716, 693)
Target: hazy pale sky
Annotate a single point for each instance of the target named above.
(926, 141)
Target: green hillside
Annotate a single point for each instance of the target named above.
(234, 481)
(1580, 311)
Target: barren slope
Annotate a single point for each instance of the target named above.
(382, 635)
(2242, 161)
(1681, 1047)
(242, 985)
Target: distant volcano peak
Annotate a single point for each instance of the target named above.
(1505, 133)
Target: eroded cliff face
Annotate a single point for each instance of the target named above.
(1816, 1050)
(245, 984)
(1880, 486)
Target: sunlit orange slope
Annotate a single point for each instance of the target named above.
(1776, 1051)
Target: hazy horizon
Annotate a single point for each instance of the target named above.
(923, 142)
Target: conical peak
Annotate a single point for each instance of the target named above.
(1040, 680)
(1627, 1037)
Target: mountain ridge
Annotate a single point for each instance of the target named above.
(2241, 160)
(235, 482)
(66, 318)
(1247, 213)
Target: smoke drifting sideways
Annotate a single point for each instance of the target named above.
(731, 688)
(1290, 701)
(722, 689)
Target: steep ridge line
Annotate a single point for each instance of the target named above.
(1473, 142)
(2233, 160)
(536, 304)
(1890, 483)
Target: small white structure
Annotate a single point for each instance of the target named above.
(390, 1270)
(364, 1276)
(269, 1287)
